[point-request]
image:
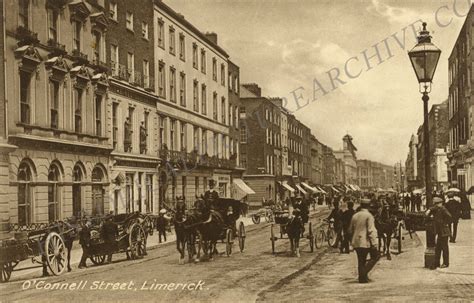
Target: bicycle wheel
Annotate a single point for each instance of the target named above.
(331, 237)
(319, 238)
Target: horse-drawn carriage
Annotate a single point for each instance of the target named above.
(133, 231)
(293, 227)
(43, 243)
(203, 226)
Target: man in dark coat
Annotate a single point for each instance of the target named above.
(441, 220)
(346, 218)
(211, 195)
(109, 233)
(454, 208)
(84, 241)
(336, 216)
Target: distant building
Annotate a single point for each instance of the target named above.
(439, 138)
(316, 161)
(411, 165)
(349, 158)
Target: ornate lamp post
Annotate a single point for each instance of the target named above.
(424, 58)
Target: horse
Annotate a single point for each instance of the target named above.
(386, 226)
(303, 208)
(294, 230)
(185, 225)
(210, 228)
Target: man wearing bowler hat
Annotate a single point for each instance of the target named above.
(441, 219)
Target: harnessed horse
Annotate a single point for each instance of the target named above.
(185, 225)
(386, 225)
(211, 226)
(294, 229)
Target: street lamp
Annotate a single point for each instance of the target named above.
(424, 58)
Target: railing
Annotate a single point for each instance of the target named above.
(193, 159)
(56, 48)
(78, 56)
(25, 36)
(100, 65)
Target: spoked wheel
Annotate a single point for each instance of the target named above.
(136, 241)
(331, 237)
(399, 237)
(98, 259)
(198, 245)
(241, 234)
(272, 238)
(55, 253)
(228, 242)
(319, 238)
(255, 219)
(7, 269)
(311, 236)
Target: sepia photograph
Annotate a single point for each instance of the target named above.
(236, 151)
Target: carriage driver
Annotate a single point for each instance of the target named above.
(211, 195)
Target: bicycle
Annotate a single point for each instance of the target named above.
(325, 233)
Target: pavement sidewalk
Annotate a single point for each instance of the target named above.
(333, 277)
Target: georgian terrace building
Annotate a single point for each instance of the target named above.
(55, 97)
(193, 108)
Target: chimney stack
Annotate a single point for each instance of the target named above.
(253, 88)
(211, 37)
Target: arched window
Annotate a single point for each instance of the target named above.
(97, 192)
(53, 193)
(24, 194)
(77, 177)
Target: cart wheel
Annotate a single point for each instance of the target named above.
(241, 234)
(136, 241)
(319, 238)
(272, 238)
(198, 243)
(331, 237)
(256, 219)
(56, 253)
(229, 242)
(311, 236)
(98, 259)
(7, 269)
(399, 244)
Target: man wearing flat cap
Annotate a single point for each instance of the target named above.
(441, 220)
(364, 236)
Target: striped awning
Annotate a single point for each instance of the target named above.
(301, 189)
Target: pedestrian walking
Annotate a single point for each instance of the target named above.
(454, 208)
(441, 220)
(161, 224)
(418, 202)
(413, 201)
(109, 233)
(84, 241)
(364, 236)
(346, 224)
(465, 206)
(336, 216)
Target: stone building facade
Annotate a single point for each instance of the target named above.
(58, 144)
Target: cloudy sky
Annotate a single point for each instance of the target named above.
(283, 45)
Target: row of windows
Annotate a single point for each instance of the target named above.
(459, 134)
(56, 104)
(195, 50)
(26, 196)
(54, 26)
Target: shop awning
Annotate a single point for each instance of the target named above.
(321, 189)
(243, 186)
(311, 188)
(287, 187)
(301, 189)
(335, 189)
